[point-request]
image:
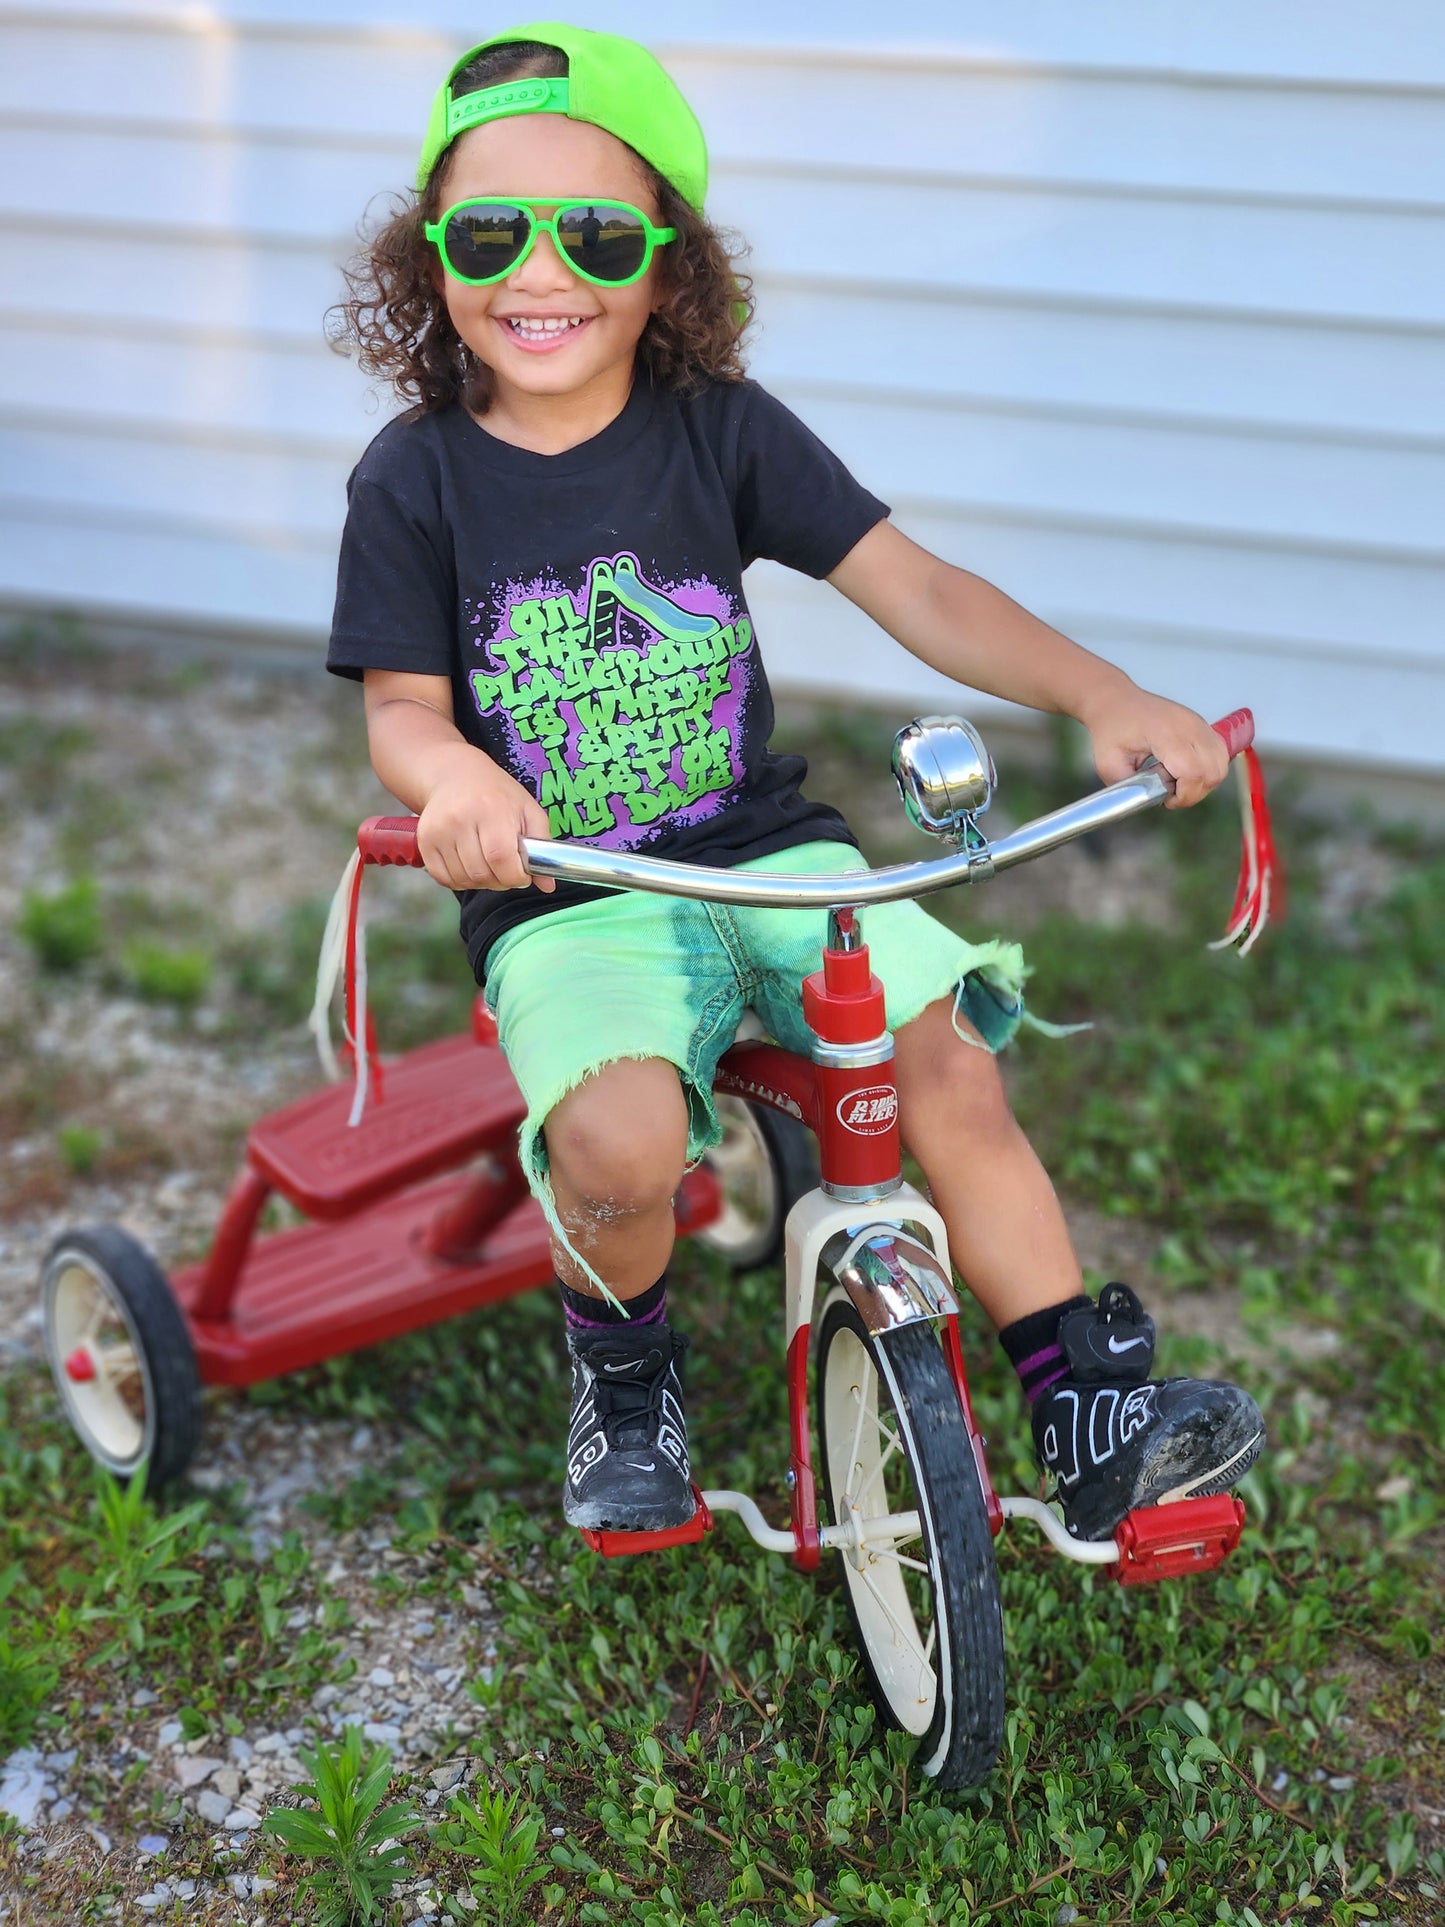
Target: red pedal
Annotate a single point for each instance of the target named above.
(1163, 1541)
(612, 1545)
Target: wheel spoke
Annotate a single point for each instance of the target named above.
(887, 1552)
(899, 1628)
(117, 1362)
(875, 1486)
(860, 1392)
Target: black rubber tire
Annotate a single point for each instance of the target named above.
(792, 1171)
(961, 1742)
(171, 1385)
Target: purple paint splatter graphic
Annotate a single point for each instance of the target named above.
(620, 703)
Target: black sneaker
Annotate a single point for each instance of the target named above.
(627, 1467)
(1114, 1442)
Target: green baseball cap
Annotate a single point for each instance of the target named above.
(614, 83)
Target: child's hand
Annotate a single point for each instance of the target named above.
(1133, 726)
(471, 827)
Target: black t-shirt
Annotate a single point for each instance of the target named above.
(589, 610)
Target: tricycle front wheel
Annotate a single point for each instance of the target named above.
(923, 1591)
(120, 1353)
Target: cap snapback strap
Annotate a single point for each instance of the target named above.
(534, 96)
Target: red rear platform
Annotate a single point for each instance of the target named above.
(442, 1104)
(324, 1289)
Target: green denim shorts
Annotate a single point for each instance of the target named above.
(635, 975)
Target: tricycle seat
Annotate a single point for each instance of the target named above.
(440, 1105)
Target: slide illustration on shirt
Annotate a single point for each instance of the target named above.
(621, 706)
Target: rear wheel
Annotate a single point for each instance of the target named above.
(120, 1353)
(764, 1164)
(919, 1574)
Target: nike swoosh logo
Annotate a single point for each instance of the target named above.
(636, 1465)
(1127, 1346)
(630, 1366)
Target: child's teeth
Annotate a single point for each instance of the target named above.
(527, 325)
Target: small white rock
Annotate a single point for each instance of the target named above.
(382, 1676)
(170, 1733)
(241, 1818)
(381, 1731)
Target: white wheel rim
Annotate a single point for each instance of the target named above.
(893, 1603)
(744, 1171)
(113, 1410)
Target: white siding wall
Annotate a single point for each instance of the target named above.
(1158, 344)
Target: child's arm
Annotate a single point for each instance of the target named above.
(973, 632)
(471, 814)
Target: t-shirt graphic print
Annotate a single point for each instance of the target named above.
(621, 701)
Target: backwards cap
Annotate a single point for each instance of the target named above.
(614, 83)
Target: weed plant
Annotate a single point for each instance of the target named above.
(63, 927)
(353, 1840)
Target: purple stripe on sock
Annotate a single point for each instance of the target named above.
(653, 1317)
(1036, 1359)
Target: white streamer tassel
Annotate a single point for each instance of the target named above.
(343, 947)
(328, 969)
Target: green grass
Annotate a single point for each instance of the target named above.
(1247, 1747)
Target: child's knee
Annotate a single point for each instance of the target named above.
(945, 1081)
(618, 1143)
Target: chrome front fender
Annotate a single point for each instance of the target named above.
(891, 1278)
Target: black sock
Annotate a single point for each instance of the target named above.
(585, 1313)
(1033, 1348)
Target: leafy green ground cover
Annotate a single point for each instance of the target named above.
(685, 1739)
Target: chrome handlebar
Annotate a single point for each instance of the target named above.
(578, 863)
(392, 839)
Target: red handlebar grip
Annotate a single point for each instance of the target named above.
(1237, 729)
(389, 839)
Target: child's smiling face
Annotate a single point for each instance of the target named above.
(547, 159)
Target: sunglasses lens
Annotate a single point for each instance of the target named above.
(484, 240)
(608, 243)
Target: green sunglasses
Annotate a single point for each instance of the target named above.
(606, 242)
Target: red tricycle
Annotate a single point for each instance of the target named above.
(418, 1209)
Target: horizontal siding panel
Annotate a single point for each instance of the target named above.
(1259, 489)
(1081, 578)
(246, 393)
(176, 282)
(1215, 255)
(255, 490)
(1236, 256)
(1080, 128)
(1351, 379)
(1115, 358)
(1377, 712)
(138, 570)
(1169, 476)
(1391, 43)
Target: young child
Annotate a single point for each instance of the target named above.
(540, 585)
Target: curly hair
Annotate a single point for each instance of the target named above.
(395, 320)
